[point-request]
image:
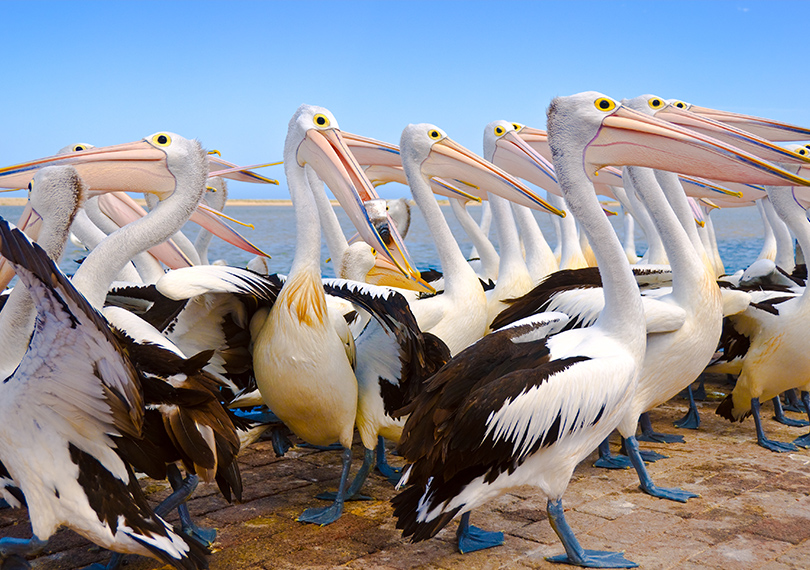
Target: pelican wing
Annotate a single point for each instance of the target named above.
(74, 373)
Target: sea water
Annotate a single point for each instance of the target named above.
(739, 234)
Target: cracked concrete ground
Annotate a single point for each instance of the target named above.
(753, 511)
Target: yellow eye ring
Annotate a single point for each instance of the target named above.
(373, 251)
(655, 103)
(434, 134)
(499, 130)
(518, 126)
(162, 139)
(680, 104)
(321, 120)
(605, 104)
(802, 151)
(79, 147)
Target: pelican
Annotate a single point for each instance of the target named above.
(64, 460)
(544, 403)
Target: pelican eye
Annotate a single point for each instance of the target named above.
(321, 120)
(78, 147)
(518, 127)
(605, 104)
(373, 251)
(434, 134)
(655, 103)
(499, 130)
(802, 151)
(162, 139)
(680, 104)
(30, 186)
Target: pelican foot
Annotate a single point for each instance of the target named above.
(322, 516)
(113, 564)
(699, 393)
(674, 494)
(652, 456)
(258, 414)
(474, 538)
(331, 496)
(794, 408)
(595, 559)
(690, 421)
(330, 447)
(613, 462)
(382, 465)
(656, 437)
(792, 403)
(206, 536)
(777, 446)
(10, 547)
(784, 420)
(803, 441)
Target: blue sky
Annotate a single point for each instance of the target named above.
(232, 73)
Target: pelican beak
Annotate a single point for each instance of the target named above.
(372, 151)
(122, 209)
(212, 220)
(30, 222)
(765, 128)
(518, 158)
(444, 188)
(450, 160)
(130, 167)
(537, 139)
(219, 167)
(387, 274)
(629, 137)
(327, 152)
(379, 174)
(738, 137)
(697, 212)
(701, 188)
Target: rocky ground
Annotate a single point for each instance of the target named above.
(753, 511)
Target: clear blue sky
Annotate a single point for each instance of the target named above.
(232, 73)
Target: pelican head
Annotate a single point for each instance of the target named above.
(438, 155)
(504, 147)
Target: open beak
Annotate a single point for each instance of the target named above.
(385, 273)
(765, 128)
(629, 137)
(518, 158)
(225, 169)
(327, 152)
(731, 134)
(450, 160)
(130, 167)
(697, 211)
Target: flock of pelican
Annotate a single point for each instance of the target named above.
(504, 370)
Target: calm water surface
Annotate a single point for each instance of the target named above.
(739, 233)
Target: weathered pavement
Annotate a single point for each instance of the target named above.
(753, 512)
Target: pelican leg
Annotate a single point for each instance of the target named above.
(792, 403)
(649, 434)
(281, 443)
(332, 513)
(471, 538)
(804, 441)
(204, 535)
(700, 393)
(779, 415)
(777, 446)
(644, 478)
(692, 418)
(353, 492)
(386, 470)
(574, 553)
(607, 460)
(648, 455)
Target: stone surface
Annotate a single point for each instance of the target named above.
(753, 512)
